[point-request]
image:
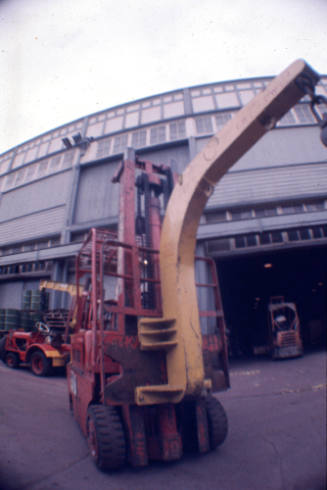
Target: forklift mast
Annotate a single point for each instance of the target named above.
(118, 282)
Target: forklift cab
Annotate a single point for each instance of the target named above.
(284, 326)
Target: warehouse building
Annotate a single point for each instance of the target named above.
(265, 224)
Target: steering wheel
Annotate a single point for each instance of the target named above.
(42, 327)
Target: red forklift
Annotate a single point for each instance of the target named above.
(117, 284)
(149, 350)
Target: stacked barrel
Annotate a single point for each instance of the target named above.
(34, 302)
(9, 319)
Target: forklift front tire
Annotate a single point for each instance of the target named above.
(217, 422)
(106, 439)
(12, 360)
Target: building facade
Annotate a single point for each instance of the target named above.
(270, 208)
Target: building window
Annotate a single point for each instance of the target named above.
(315, 206)
(305, 234)
(158, 135)
(204, 124)
(216, 217)
(177, 130)
(10, 179)
(43, 167)
(139, 138)
(265, 212)
(264, 238)
(29, 267)
(222, 119)
(251, 240)
(103, 148)
(287, 120)
(30, 172)
(317, 232)
(68, 157)
(276, 237)
(239, 242)
(303, 114)
(239, 214)
(55, 163)
(292, 208)
(292, 235)
(20, 176)
(246, 241)
(220, 245)
(120, 143)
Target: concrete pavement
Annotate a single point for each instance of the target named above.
(276, 441)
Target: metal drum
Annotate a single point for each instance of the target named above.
(35, 300)
(11, 319)
(39, 300)
(2, 318)
(27, 300)
(25, 321)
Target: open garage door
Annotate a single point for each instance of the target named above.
(249, 281)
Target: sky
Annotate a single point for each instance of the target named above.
(61, 60)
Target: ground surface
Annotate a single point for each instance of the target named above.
(276, 441)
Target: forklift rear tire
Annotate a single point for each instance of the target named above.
(217, 422)
(106, 439)
(12, 360)
(40, 364)
(3, 348)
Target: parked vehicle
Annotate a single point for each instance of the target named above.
(284, 329)
(42, 349)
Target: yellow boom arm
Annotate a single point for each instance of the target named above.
(178, 332)
(59, 286)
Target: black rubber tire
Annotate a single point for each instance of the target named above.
(40, 364)
(3, 347)
(217, 422)
(11, 359)
(106, 439)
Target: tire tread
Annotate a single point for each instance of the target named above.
(110, 437)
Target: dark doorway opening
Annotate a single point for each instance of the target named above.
(248, 282)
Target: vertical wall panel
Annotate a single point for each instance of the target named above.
(177, 157)
(97, 196)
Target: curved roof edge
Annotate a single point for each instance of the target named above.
(143, 99)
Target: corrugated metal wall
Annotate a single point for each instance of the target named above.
(97, 196)
(276, 168)
(34, 210)
(32, 226)
(287, 146)
(43, 194)
(177, 157)
(270, 184)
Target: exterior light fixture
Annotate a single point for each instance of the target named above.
(268, 265)
(67, 142)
